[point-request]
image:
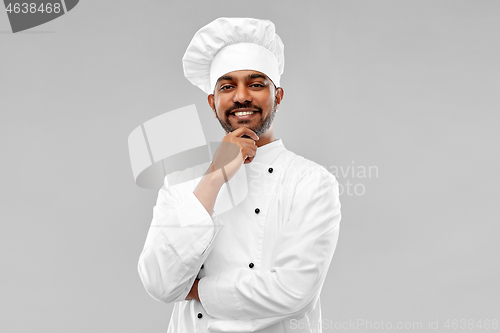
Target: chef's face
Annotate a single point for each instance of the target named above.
(246, 98)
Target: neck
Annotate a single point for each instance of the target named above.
(265, 138)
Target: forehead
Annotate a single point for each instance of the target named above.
(243, 75)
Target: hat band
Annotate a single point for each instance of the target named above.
(244, 56)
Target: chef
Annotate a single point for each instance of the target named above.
(260, 266)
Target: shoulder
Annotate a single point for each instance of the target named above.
(303, 169)
(310, 186)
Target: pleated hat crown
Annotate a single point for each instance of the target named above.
(230, 44)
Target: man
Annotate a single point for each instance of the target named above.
(260, 266)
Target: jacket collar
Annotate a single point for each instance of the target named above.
(269, 152)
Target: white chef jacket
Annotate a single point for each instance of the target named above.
(262, 264)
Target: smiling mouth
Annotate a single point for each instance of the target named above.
(243, 114)
(240, 110)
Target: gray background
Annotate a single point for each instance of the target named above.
(407, 87)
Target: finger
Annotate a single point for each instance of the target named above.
(248, 160)
(248, 153)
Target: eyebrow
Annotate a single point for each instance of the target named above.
(226, 77)
(250, 76)
(257, 76)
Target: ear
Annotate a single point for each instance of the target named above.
(279, 93)
(211, 102)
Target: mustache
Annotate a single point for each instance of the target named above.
(238, 105)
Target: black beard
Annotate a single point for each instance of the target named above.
(259, 128)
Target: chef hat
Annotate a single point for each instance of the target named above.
(232, 44)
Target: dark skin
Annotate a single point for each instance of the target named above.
(256, 92)
(193, 293)
(246, 88)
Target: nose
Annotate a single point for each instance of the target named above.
(242, 95)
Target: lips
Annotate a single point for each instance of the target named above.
(243, 110)
(243, 114)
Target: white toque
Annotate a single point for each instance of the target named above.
(232, 44)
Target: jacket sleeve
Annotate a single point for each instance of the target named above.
(242, 297)
(177, 243)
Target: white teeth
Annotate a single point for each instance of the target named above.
(244, 113)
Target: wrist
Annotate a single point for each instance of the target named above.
(211, 181)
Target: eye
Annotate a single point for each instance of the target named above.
(226, 87)
(257, 85)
